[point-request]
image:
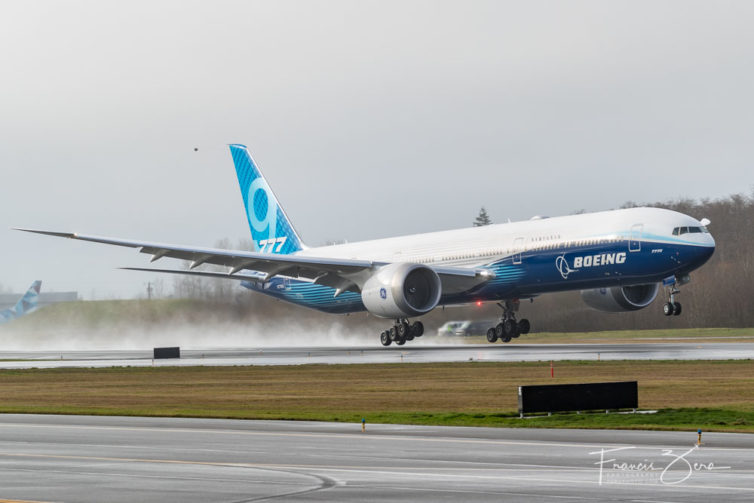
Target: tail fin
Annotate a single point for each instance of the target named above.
(25, 305)
(271, 229)
(29, 300)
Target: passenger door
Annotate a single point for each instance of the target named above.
(634, 241)
(518, 249)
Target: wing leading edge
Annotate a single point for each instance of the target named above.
(341, 274)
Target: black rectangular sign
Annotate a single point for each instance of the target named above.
(167, 353)
(567, 397)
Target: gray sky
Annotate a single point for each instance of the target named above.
(369, 119)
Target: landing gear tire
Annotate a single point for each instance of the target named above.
(668, 309)
(499, 330)
(402, 329)
(509, 329)
(385, 338)
(491, 335)
(523, 327)
(401, 332)
(506, 339)
(677, 308)
(417, 329)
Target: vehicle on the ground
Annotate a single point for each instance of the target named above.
(471, 327)
(449, 328)
(618, 259)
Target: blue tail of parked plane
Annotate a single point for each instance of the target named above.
(25, 305)
(271, 229)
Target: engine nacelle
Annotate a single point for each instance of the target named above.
(402, 290)
(621, 298)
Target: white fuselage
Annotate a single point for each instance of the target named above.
(476, 246)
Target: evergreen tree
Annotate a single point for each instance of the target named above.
(482, 219)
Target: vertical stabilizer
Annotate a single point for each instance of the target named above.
(25, 305)
(271, 229)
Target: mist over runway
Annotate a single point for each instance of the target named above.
(377, 354)
(84, 458)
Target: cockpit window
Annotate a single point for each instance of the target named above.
(689, 230)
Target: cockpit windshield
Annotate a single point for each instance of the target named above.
(678, 231)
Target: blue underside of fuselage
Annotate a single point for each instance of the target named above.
(533, 273)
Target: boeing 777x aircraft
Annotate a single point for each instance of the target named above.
(618, 259)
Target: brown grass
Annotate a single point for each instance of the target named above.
(327, 391)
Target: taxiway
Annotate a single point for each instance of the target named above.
(93, 459)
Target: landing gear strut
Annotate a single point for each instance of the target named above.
(508, 328)
(671, 307)
(401, 332)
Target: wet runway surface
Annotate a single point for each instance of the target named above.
(378, 354)
(94, 459)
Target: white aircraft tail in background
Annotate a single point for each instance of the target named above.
(25, 304)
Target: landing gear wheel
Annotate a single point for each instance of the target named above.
(393, 334)
(509, 329)
(499, 330)
(402, 329)
(668, 309)
(417, 329)
(385, 338)
(506, 339)
(523, 327)
(676, 308)
(491, 335)
(400, 341)
(409, 336)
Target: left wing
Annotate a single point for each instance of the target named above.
(341, 274)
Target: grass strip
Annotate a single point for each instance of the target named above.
(712, 395)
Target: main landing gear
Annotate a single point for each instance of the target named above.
(508, 328)
(401, 332)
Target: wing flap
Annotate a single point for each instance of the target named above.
(256, 278)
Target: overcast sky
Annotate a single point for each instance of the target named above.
(369, 119)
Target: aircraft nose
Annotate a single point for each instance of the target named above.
(703, 253)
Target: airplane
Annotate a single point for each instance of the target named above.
(25, 304)
(619, 259)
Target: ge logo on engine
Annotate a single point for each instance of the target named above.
(383, 293)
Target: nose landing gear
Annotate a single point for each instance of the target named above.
(401, 332)
(672, 307)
